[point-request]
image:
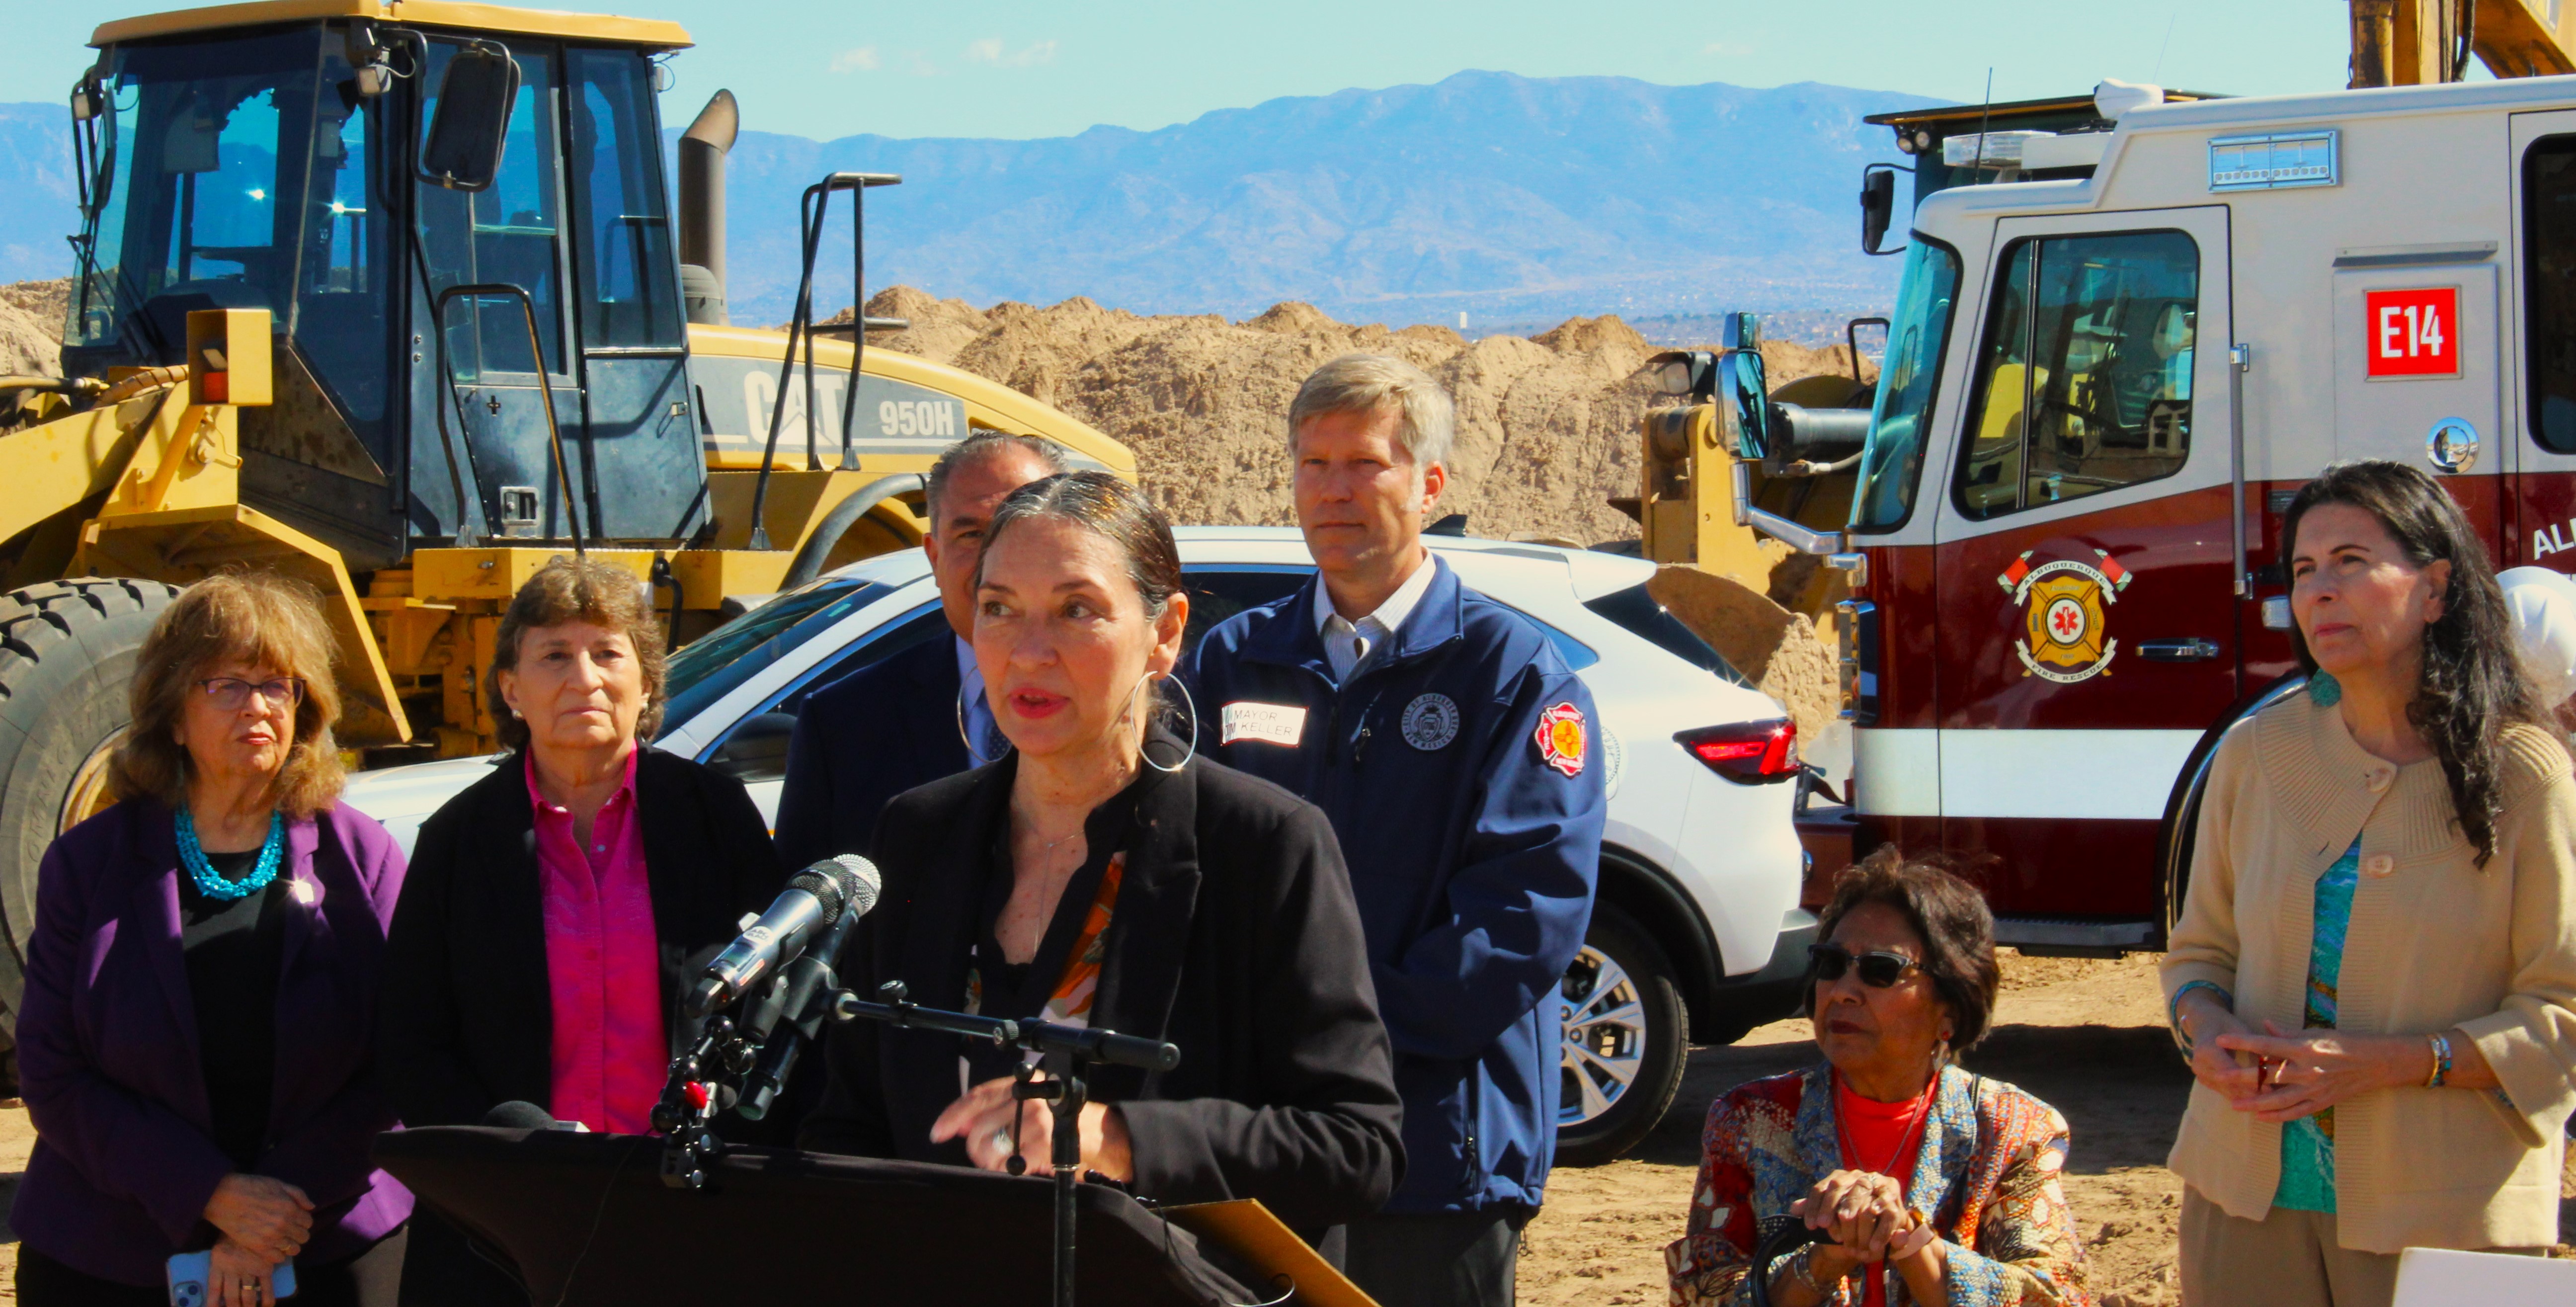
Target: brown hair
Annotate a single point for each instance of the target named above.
(2470, 686)
(258, 618)
(1958, 931)
(579, 590)
(1119, 512)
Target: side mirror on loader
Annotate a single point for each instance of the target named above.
(1744, 389)
(1877, 207)
(472, 119)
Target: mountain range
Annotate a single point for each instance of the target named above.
(1509, 198)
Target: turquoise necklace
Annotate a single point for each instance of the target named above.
(210, 882)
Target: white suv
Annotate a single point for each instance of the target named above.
(1697, 934)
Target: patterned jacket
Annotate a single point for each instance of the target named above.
(1987, 1173)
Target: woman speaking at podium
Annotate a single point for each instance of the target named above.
(1102, 874)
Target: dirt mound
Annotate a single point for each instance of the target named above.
(31, 326)
(1546, 424)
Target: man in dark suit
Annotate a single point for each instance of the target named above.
(907, 721)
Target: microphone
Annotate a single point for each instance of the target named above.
(814, 900)
(519, 1114)
(796, 996)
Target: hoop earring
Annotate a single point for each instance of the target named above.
(1193, 707)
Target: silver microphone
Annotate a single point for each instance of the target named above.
(814, 899)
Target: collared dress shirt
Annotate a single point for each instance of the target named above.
(984, 739)
(1347, 644)
(603, 967)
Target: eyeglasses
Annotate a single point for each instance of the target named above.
(231, 692)
(1878, 967)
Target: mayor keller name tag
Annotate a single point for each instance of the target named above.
(1269, 723)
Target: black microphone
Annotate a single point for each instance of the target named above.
(814, 899)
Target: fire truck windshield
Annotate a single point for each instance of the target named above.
(1892, 462)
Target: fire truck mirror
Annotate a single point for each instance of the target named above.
(1877, 207)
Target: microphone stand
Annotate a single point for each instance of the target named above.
(1064, 1050)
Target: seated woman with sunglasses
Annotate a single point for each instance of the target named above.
(1930, 1184)
(194, 1041)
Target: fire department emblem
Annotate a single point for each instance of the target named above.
(1560, 738)
(2064, 603)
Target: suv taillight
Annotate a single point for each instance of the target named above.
(1749, 753)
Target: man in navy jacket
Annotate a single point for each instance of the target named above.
(907, 721)
(1453, 750)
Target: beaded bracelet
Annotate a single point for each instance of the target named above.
(2173, 1009)
(2441, 1060)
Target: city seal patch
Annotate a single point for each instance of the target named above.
(1431, 722)
(1561, 738)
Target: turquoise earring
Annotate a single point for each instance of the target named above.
(2324, 689)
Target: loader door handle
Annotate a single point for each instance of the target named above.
(2178, 651)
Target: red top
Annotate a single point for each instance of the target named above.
(603, 966)
(1880, 1137)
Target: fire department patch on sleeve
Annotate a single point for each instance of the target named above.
(1560, 738)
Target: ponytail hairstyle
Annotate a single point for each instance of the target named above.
(2471, 687)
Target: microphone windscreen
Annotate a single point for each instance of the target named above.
(861, 883)
(518, 1115)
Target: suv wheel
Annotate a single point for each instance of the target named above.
(1623, 1042)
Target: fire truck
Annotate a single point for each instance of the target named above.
(2127, 330)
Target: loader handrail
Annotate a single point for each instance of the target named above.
(545, 389)
(801, 326)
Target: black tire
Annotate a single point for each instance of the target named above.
(1655, 1043)
(66, 659)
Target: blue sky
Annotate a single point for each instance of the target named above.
(1018, 68)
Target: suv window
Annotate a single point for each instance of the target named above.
(755, 748)
(1635, 611)
(729, 655)
(2549, 288)
(2084, 381)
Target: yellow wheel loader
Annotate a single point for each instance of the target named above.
(390, 295)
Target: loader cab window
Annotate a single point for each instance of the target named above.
(1892, 461)
(2549, 280)
(2084, 379)
(198, 187)
(630, 293)
(511, 232)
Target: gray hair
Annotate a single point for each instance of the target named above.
(1369, 383)
(984, 443)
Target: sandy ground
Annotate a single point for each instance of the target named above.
(2087, 1036)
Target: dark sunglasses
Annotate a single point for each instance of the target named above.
(1878, 968)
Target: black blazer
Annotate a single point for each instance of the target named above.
(467, 1020)
(864, 739)
(1234, 936)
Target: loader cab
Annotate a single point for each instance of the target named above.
(279, 167)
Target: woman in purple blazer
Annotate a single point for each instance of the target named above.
(196, 1042)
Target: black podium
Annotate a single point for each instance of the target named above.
(588, 1220)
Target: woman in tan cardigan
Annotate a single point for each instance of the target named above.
(2376, 961)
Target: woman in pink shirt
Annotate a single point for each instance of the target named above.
(558, 907)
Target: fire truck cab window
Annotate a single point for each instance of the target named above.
(2549, 246)
(2084, 381)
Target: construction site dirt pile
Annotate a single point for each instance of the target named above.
(31, 327)
(1547, 425)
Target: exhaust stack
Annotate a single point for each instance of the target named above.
(702, 208)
